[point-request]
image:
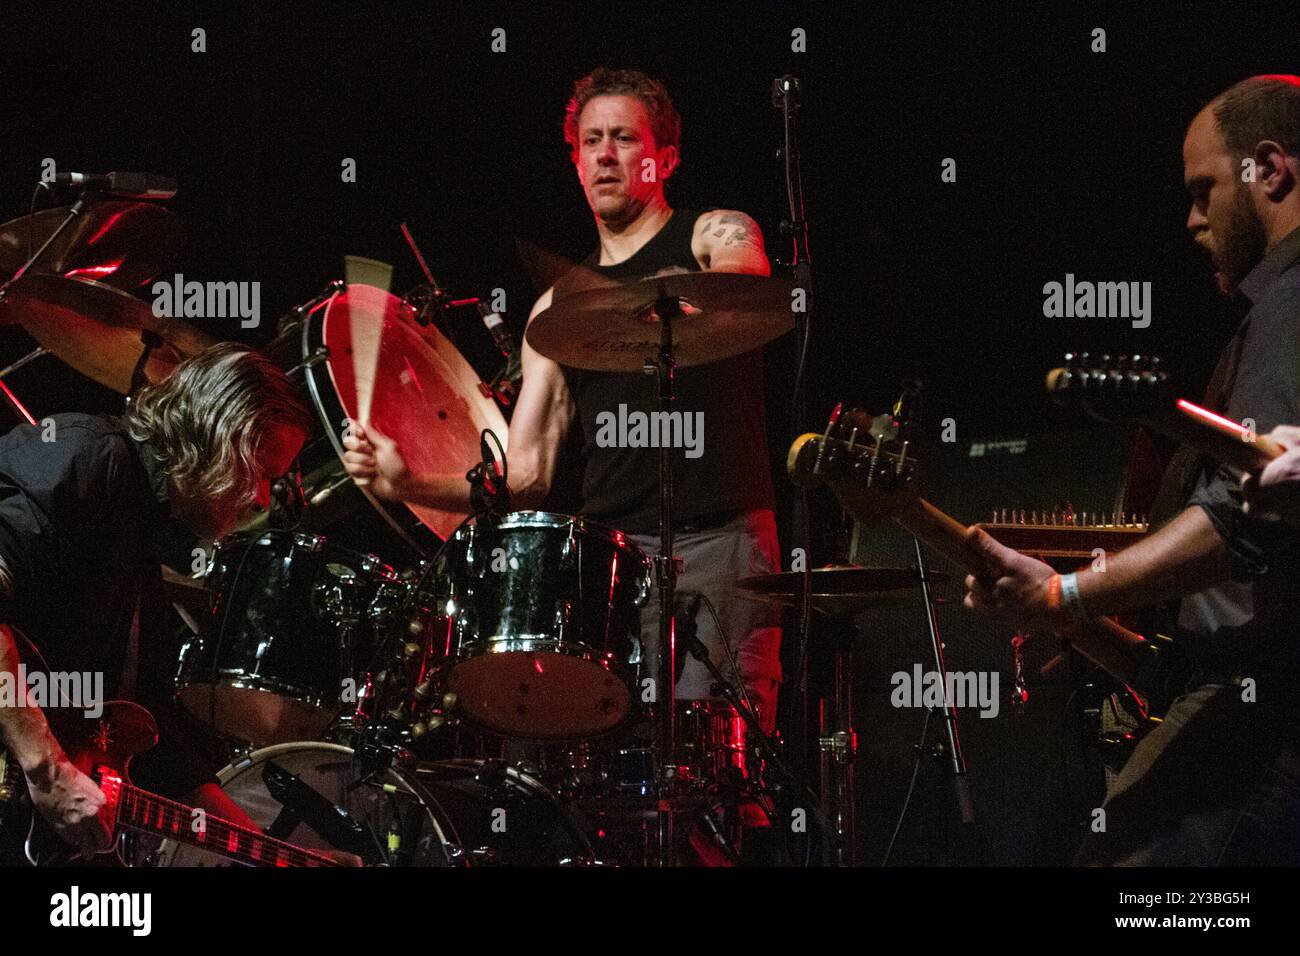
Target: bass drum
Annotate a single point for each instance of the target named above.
(424, 396)
(453, 813)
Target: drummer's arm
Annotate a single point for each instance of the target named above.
(542, 418)
(729, 241)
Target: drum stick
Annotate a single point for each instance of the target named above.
(366, 333)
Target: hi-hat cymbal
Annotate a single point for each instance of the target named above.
(615, 328)
(121, 244)
(96, 328)
(844, 589)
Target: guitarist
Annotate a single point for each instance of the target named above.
(1218, 781)
(86, 505)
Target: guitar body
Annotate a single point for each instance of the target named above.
(94, 745)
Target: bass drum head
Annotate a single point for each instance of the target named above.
(453, 813)
(329, 770)
(424, 395)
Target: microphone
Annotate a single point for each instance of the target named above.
(785, 88)
(497, 327)
(287, 501)
(126, 185)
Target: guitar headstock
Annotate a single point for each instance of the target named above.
(1112, 387)
(863, 458)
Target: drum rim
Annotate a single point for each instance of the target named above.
(313, 328)
(558, 520)
(369, 562)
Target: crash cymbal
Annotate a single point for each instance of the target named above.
(121, 244)
(843, 589)
(96, 328)
(615, 328)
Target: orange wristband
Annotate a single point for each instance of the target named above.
(1054, 592)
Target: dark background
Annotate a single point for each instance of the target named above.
(1067, 161)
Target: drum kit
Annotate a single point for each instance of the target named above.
(413, 686)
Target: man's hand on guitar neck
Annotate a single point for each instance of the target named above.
(1014, 586)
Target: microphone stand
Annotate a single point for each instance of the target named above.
(74, 212)
(786, 93)
(783, 796)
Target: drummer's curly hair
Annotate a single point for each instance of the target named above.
(207, 420)
(664, 119)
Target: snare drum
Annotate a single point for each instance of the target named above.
(544, 637)
(293, 618)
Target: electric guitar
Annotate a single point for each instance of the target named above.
(102, 748)
(1136, 388)
(861, 459)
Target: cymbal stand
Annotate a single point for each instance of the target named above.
(667, 567)
(837, 748)
(77, 208)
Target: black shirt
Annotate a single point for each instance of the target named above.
(83, 511)
(621, 484)
(1242, 619)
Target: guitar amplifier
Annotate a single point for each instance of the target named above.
(1078, 479)
(1031, 776)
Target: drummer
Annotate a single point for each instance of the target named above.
(624, 136)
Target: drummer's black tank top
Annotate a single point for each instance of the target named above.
(621, 484)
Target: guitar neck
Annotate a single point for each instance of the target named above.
(1107, 644)
(149, 813)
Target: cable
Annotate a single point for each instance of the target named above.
(726, 645)
(907, 800)
(505, 463)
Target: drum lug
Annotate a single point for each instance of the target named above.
(320, 354)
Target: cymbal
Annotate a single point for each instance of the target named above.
(121, 244)
(844, 589)
(96, 328)
(615, 327)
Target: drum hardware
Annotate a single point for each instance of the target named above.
(316, 357)
(296, 315)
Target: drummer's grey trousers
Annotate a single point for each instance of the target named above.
(714, 559)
